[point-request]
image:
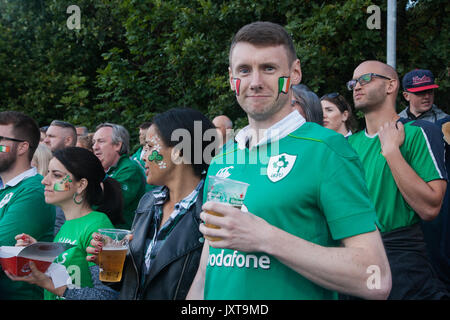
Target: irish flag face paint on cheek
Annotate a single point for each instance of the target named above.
(63, 185)
(5, 149)
(237, 85)
(283, 84)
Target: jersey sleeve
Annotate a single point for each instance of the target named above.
(427, 151)
(344, 197)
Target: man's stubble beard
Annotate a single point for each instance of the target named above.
(7, 162)
(268, 111)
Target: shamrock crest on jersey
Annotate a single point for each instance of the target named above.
(279, 166)
(6, 199)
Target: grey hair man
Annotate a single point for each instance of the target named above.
(111, 144)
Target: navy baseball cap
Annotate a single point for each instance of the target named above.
(418, 80)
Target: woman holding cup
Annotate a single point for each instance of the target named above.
(165, 251)
(76, 182)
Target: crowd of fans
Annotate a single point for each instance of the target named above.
(344, 200)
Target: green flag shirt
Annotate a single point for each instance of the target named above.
(305, 180)
(23, 210)
(392, 210)
(132, 180)
(78, 232)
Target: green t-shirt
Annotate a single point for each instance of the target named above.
(392, 210)
(310, 184)
(78, 232)
(23, 210)
(132, 180)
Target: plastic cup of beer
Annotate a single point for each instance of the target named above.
(225, 191)
(113, 253)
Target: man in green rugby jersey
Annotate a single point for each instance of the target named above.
(310, 230)
(22, 204)
(111, 144)
(406, 178)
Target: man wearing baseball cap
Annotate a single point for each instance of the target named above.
(418, 86)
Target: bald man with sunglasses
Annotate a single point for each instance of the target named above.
(406, 178)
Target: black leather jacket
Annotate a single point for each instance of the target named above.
(174, 268)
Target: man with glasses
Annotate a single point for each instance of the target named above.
(406, 178)
(22, 205)
(60, 134)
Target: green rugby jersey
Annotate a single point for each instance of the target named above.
(23, 210)
(78, 232)
(392, 210)
(312, 187)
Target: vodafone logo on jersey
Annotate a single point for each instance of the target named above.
(279, 166)
(239, 260)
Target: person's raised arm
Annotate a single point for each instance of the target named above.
(424, 197)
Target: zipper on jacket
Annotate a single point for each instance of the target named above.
(181, 277)
(137, 277)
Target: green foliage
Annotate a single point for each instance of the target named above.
(132, 59)
(424, 43)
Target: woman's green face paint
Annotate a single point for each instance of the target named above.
(154, 146)
(155, 156)
(63, 185)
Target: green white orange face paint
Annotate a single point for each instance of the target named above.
(237, 85)
(284, 85)
(5, 149)
(63, 185)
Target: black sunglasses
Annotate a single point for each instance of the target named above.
(11, 139)
(364, 79)
(338, 100)
(330, 95)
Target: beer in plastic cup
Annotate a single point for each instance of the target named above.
(112, 256)
(225, 191)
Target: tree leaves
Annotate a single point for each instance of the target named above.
(132, 59)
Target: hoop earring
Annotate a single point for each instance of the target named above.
(75, 198)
